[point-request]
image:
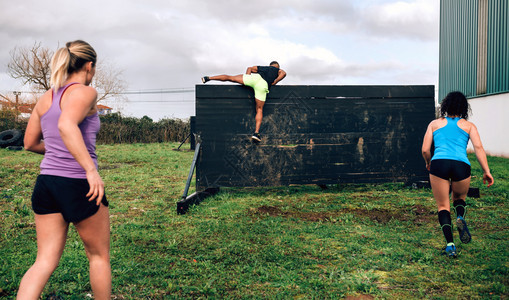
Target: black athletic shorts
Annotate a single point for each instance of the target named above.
(454, 170)
(55, 194)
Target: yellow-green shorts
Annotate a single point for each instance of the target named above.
(259, 85)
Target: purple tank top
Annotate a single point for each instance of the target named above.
(57, 159)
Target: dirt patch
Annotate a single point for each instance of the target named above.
(270, 210)
(382, 216)
(423, 214)
(274, 211)
(417, 213)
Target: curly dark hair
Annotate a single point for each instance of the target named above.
(455, 104)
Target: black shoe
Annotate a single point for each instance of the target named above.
(204, 79)
(256, 137)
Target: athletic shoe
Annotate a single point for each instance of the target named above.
(465, 236)
(204, 79)
(256, 137)
(450, 250)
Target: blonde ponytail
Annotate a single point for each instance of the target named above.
(70, 59)
(59, 67)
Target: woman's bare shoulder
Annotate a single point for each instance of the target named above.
(438, 123)
(44, 102)
(84, 89)
(466, 125)
(81, 93)
(47, 96)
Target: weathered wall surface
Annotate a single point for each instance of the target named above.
(312, 134)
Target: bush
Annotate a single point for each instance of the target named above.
(8, 121)
(116, 129)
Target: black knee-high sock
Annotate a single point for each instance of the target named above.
(444, 217)
(459, 206)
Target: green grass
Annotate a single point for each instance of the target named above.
(298, 242)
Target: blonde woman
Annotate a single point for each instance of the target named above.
(69, 188)
(449, 168)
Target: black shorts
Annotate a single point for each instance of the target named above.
(454, 170)
(55, 194)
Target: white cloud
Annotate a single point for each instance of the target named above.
(411, 19)
(171, 44)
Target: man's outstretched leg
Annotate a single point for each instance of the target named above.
(235, 78)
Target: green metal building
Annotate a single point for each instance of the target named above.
(474, 59)
(474, 47)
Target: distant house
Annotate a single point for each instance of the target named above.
(4, 104)
(24, 109)
(103, 109)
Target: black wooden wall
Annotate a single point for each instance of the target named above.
(312, 135)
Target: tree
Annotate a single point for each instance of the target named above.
(32, 66)
(108, 82)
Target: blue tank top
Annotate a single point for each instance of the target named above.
(58, 161)
(451, 142)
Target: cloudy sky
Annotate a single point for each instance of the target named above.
(170, 44)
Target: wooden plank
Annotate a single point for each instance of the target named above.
(222, 91)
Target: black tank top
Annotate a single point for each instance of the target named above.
(268, 74)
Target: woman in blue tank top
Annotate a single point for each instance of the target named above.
(63, 126)
(449, 166)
